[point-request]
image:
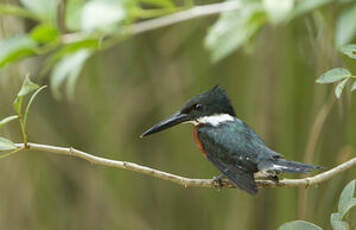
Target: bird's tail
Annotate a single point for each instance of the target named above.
(293, 166)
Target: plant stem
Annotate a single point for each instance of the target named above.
(23, 130)
(12, 152)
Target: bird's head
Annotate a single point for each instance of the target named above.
(210, 107)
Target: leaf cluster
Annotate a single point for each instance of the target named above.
(71, 36)
(235, 29)
(28, 88)
(347, 201)
(340, 75)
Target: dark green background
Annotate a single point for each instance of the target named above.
(124, 90)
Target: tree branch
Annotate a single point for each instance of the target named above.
(153, 24)
(194, 12)
(184, 181)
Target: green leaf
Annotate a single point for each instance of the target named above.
(15, 48)
(349, 206)
(278, 10)
(45, 33)
(333, 75)
(6, 144)
(346, 202)
(7, 120)
(306, 6)
(346, 26)
(336, 223)
(71, 48)
(45, 9)
(233, 29)
(340, 87)
(299, 225)
(102, 14)
(68, 69)
(30, 103)
(353, 87)
(349, 50)
(346, 198)
(27, 87)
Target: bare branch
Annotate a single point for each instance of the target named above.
(153, 24)
(194, 12)
(191, 182)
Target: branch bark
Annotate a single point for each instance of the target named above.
(184, 181)
(194, 12)
(153, 24)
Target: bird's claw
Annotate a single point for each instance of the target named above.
(218, 181)
(275, 179)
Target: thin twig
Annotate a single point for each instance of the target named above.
(184, 181)
(153, 24)
(194, 12)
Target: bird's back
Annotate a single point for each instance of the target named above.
(236, 143)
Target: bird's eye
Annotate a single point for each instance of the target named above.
(198, 107)
(195, 107)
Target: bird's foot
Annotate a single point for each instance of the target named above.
(275, 179)
(218, 180)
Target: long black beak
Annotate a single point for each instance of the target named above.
(173, 120)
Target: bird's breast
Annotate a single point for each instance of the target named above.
(197, 141)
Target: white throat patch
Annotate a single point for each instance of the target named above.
(214, 120)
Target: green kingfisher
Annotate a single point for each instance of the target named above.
(229, 143)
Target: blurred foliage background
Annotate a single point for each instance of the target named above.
(108, 84)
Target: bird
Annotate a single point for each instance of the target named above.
(229, 143)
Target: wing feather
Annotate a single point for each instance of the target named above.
(238, 176)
